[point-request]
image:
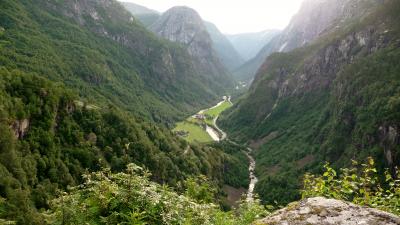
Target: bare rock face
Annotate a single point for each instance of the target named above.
(20, 127)
(324, 211)
(184, 25)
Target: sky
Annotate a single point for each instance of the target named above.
(235, 16)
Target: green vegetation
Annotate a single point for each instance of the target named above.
(193, 129)
(361, 185)
(63, 139)
(80, 92)
(195, 132)
(210, 114)
(131, 198)
(110, 60)
(345, 111)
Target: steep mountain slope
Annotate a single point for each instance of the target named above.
(185, 26)
(334, 100)
(314, 18)
(228, 55)
(143, 14)
(249, 44)
(99, 48)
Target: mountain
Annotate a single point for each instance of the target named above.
(84, 86)
(108, 56)
(249, 44)
(313, 19)
(335, 99)
(184, 25)
(228, 55)
(143, 14)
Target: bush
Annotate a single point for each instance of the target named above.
(359, 184)
(131, 198)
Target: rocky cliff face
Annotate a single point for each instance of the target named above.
(322, 211)
(315, 18)
(185, 26)
(20, 128)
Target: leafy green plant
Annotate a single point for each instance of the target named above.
(131, 198)
(360, 184)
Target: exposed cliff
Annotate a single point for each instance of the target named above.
(185, 26)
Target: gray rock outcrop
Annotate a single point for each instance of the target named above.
(324, 211)
(20, 128)
(184, 25)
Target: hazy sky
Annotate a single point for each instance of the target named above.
(235, 16)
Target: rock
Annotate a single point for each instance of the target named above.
(20, 127)
(324, 211)
(184, 25)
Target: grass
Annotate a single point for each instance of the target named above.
(195, 132)
(214, 112)
(193, 126)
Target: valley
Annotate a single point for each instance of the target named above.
(202, 126)
(116, 113)
(195, 128)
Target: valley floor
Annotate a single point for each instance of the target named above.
(202, 127)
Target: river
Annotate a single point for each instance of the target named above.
(218, 134)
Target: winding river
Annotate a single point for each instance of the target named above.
(252, 175)
(218, 134)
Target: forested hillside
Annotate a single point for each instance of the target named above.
(82, 87)
(48, 139)
(98, 48)
(335, 100)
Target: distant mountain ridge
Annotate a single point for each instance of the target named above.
(227, 54)
(249, 44)
(184, 25)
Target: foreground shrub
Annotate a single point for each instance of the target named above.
(360, 184)
(131, 198)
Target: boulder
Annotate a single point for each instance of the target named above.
(324, 211)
